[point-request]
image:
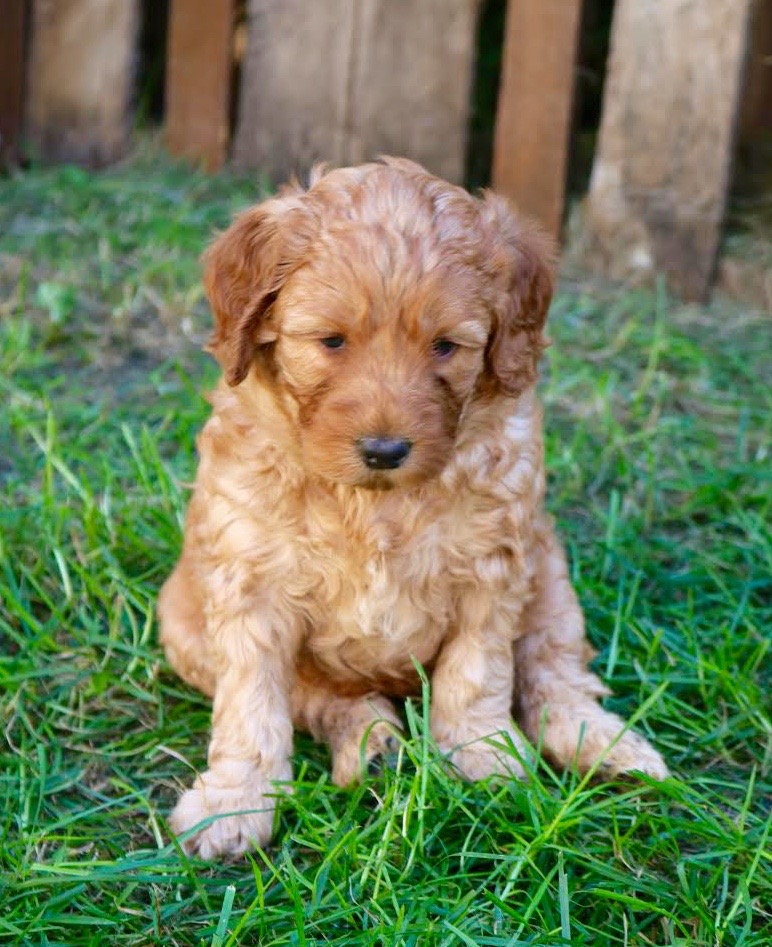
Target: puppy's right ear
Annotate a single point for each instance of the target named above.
(244, 270)
(522, 258)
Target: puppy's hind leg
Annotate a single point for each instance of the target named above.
(357, 729)
(555, 693)
(181, 621)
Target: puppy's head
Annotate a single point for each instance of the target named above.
(378, 304)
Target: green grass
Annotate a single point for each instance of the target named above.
(658, 439)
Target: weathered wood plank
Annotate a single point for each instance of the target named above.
(756, 109)
(294, 89)
(411, 81)
(346, 80)
(81, 79)
(661, 172)
(12, 48)
(533, 122)
(198, 80)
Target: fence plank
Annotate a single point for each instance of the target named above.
(11, 78)
(198, 80)
(292, 105)
(756, 109)
(345, 80)
(530, 154)
(80, 79)
(661, 173)
(411, 81)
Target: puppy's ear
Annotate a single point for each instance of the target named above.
(523, 262)
(244, 270)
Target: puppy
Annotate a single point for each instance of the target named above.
(370, 494)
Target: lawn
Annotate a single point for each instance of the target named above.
(659, 420)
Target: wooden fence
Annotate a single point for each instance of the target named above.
(345, 80)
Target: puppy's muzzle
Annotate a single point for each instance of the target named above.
(383, 453)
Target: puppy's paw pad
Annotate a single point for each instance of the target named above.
(242, 817)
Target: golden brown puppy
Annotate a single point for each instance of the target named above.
(370, 493)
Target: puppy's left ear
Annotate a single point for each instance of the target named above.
(523, 262)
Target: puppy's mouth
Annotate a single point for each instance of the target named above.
(377, 482)
(391, 462)
(413, 472)
(377, 460)
(410, 473)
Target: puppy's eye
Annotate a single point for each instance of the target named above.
(443, 348)
(333, 341)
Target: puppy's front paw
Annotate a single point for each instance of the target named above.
(241, 805)
(585, 735)
(380, 743)
(496, 754)
(633, 753)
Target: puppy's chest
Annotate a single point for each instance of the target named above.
(379, 611)
(388, 587)
(385, 579)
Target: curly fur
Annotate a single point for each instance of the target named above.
(310, 584)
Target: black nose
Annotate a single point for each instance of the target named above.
(383, 453)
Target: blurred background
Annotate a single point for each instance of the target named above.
(639, 133)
